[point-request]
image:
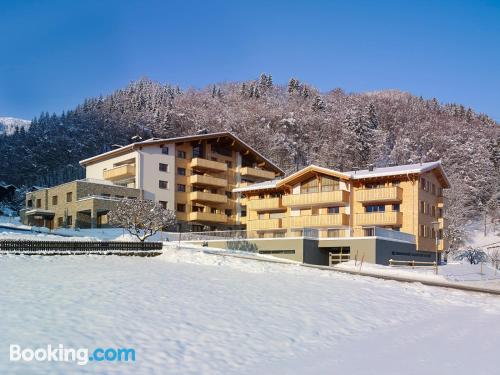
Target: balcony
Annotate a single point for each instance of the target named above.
(384, 194)
(266, 224)
(336, 197)
(255, 173)
(208, 165)
(201, 196)
(334, 220)
(266, 204)
(120, 173)
(205, 180)
(207, 217)
(380, 218)
(440, 201)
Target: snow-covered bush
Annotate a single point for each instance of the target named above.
(141, 218)
(473, 255)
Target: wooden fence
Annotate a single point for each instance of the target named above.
(25, 247)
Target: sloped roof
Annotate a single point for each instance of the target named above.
(401, 170)
(354, 175)
(157, 141)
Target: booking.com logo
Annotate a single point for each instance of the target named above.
(61, 354)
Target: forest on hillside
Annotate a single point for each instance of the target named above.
(294, 125)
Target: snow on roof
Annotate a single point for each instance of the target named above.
(397, 170)
(257, 186)
(355, 175)
(154, 141)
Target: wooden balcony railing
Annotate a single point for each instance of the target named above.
(311, 221)
(384, 194)
(336, 197)
(264, 204)
(257, 173)
(207, 217)
(266, 224)
(202, 196)
(120, 173)
(209, 165)
(379, 218)
(207, 180)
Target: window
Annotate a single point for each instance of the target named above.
(163, 184)
(69, 220)
(164, 150)
(60, 221)
(213, 210)
(131, 198)
(181, 171)
(433, 189)
(30, 203)
(396, 207)
(106, 195)
(229, 164)
(335, 233)
(329, 183)
(243, 211)
(374, 185)
(38, 203)
(422, 231)
(181, 207)
(69, 197)
(181, 154)
(181, 187)
(395, 183)
(310, 186)
(368, 232)
(422, 207)
(433, 211)
(375, 208)
(54, 200)
(163, 204)
(197, 151)
(228, 194)
(163, 167)
(119, 196)
(332, 210)
(440, 212)
(228, 212)
(427, 208)
(433, 233)
(423, 183)
(197, 208)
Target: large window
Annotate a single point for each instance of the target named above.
(333, 210)
(181, 187)
(164, 150)
(181, 207)
(181, 154)
(181, 171)
(163, 184)
(54, 200)
(329, 183)
(163, 167)
(69, 197)
(375, 208)
(309, 186)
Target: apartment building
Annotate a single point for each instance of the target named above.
(80, 203)
(192, 175)
(406, 198)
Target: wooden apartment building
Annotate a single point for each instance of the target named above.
(405, 198)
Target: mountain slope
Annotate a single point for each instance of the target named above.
(8, 125)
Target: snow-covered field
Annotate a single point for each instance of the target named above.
(187, 312)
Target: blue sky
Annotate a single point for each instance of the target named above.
(53, 54)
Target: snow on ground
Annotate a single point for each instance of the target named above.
(187, 312)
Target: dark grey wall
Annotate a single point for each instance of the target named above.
(313, 254)
(387, 250)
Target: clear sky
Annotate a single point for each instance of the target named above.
(53, 54)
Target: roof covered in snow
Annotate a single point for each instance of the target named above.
(354, 175)
(158, 141)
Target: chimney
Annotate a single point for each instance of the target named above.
(355, 169)
(371, 167)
